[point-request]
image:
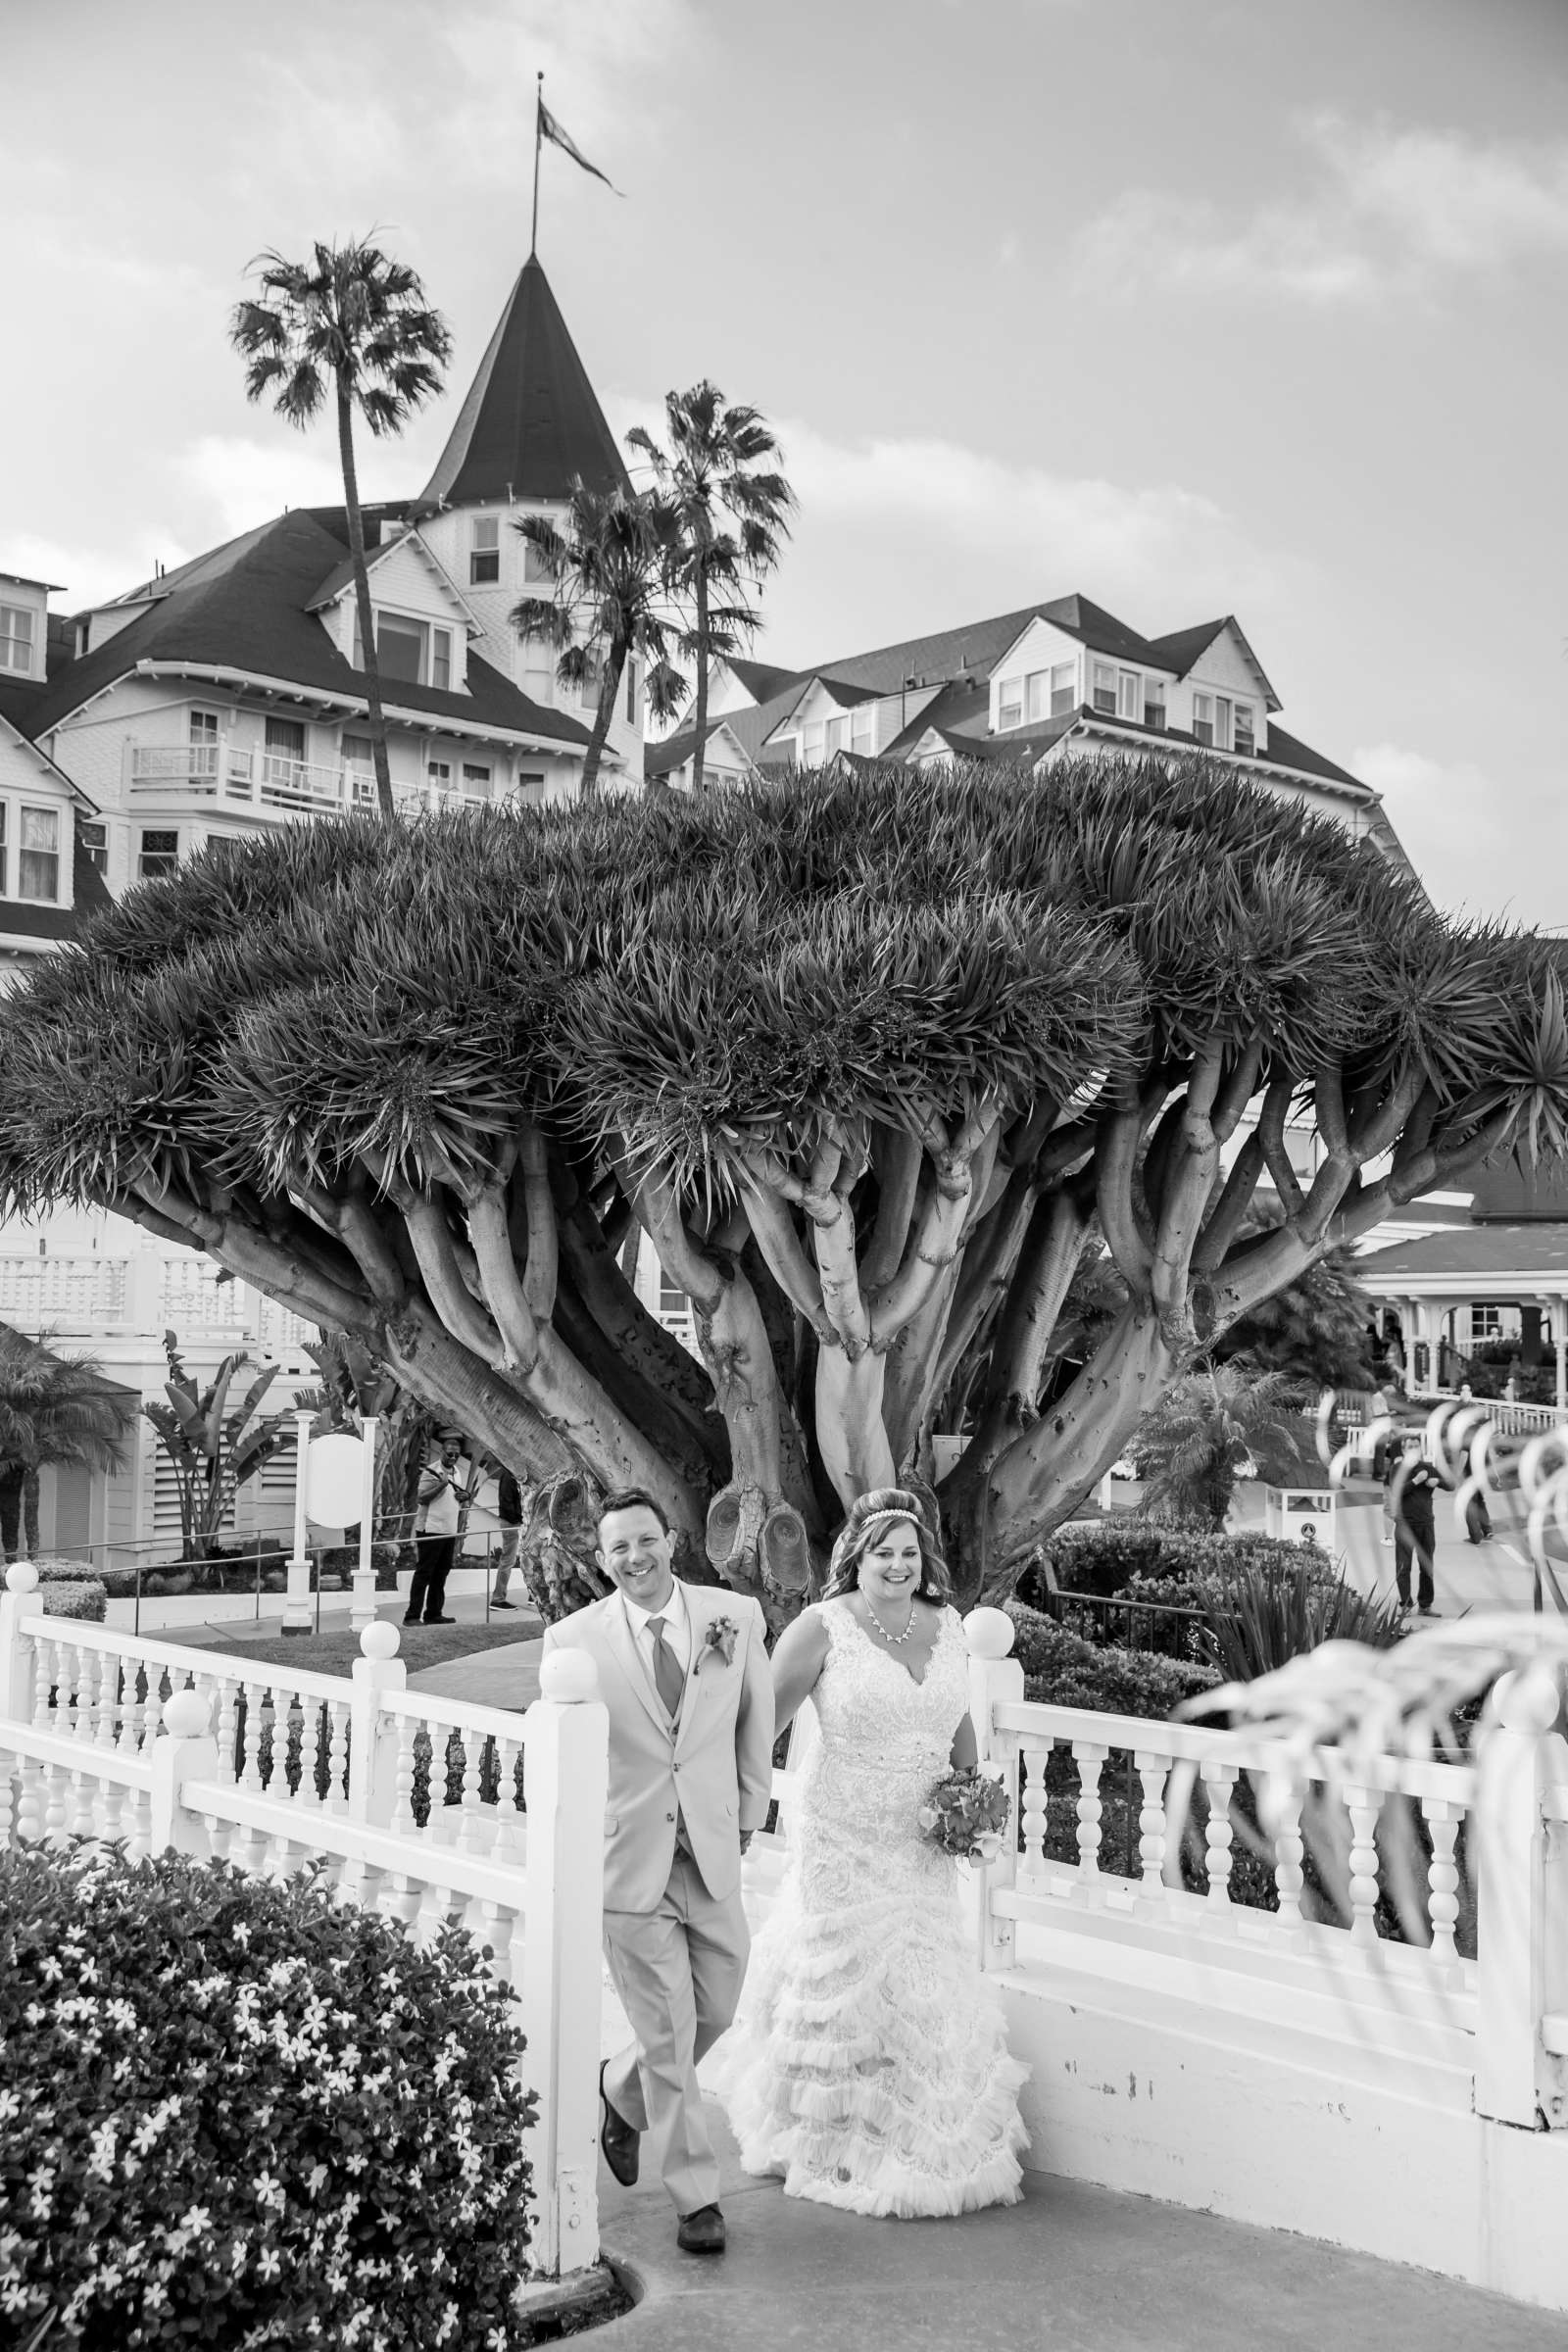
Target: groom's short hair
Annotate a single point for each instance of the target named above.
(630, 1499)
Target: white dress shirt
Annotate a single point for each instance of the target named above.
(678, 1630)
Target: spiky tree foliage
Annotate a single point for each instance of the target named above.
(215, 1444)
(351, 326)
(864, 1061)
(61, 1409)
(730, 502)
(609, 569)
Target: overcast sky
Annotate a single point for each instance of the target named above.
(1195, 305)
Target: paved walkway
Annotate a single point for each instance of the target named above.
(1072, 2269)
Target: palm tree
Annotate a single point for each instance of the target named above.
(609, 567)
(57, 1410)
(730, 514)
(356, 320)
(1190, 1447)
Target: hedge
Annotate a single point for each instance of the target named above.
(234, 2113)
(1103, 1555)
(1063, 1670)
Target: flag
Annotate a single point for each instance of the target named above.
(550, 128)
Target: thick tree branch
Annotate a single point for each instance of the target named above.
(1271, 1136)
(773, 1231)
(506, 1295)
(541, 1267)
(1115, 1176)
(897, 1159)
(450, 1295)
(1230, 1211)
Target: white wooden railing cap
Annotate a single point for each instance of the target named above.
(989, 1632)
(189, 1715)
(570, 1677)
(379, 1640)
(1527, 1702)
(22, 1577)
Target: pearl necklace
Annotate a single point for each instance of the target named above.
(895, 1640)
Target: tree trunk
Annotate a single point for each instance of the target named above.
(12, 1476)
(362, 603)
(29, 1513)
(700, 707)
(608, 688)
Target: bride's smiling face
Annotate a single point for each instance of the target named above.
(890, 1565)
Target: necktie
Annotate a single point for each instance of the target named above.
(669, 1680)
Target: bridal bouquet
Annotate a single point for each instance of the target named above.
(965, 1816)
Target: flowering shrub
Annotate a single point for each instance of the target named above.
(232, 2111)
(76, 1596)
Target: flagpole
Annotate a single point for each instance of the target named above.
(538, 142)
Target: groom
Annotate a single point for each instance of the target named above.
(684, 1674)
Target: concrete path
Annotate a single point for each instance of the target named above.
(505, 1677)
(1496, 1575)
(1073, 2269)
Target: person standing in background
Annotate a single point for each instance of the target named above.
(508, 1510)
(437, 1539)
(1414, 1485)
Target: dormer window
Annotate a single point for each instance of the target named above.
(1153, 702)
(1203, 717)
(412, 650)
(484, 552)
(1010, 704)
(1116, 693)
(1242, 722)
(15, 638)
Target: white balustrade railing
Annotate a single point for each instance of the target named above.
(425, 1809)
(76, 1293)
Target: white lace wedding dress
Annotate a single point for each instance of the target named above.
(867, 2064)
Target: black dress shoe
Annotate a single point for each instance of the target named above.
(618, 2141)
(411, 1621)
(503, 1604)
(701, 2231)
(438, 1621)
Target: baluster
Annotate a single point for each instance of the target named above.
(1283, 1801)
(44, 1679)
(1033, 1761)
(495, 1930)
(509, 1844)
(337, 1757)
(152, 1713)
(1151, 1769)
(1089, 1758)
(108, 1698)
(399, 1898)
(219, 1837)
(1363, 1806)
(310, 1745)
(56, 1807)
(1219, 1779)
(129, 1709)
(29, 1801)
(1442, 1876)
(403, 1779)
(251, 1758)
(83, 1811)
(140, 1827)
(78, 1722)
(227, 1722)
(9, 1794)
(470, 1826)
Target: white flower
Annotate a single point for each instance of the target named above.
(267, 2263)
(50, 1968)
(269, 2189)
(196, 2219)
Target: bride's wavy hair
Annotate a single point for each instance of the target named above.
(867, 1516)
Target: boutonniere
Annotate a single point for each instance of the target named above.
(720, 1637)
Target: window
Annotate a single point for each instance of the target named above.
(1203, 717)
(1063, 688)
(1222, 721)
(15, 638)
(92, 839)
(1242, 723)
(1010, 704)
(286, 739)
(439, 772)
(1129, 693)
(158, 854)
(531, 784)
(38, 866)
(411, 650)
(1153, 702)
(475, 778)
(862, 729)
(484, 552)
(1485, 1322)
(359, 752)
(1037, 695)
(534, 566)
(835, 738)
(812, 745)
(672, 1300)
(1103, 688)
(441, 659)
(204, 743)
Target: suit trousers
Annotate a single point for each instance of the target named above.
(432, 1565)
(678, 1971)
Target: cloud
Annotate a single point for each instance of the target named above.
(1388, 210)
(1471, 855)
(895, 535)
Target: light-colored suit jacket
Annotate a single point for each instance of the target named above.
(714, 1765)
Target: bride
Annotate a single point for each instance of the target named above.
(867, 2065)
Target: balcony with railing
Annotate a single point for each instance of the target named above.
(266, 779)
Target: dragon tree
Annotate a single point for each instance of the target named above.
(870, 1062)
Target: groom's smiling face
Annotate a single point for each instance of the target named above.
(634, 1550)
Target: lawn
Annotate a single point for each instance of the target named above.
(334, 1651)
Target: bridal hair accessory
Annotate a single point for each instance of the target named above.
(721, 1635)
(965, 1816)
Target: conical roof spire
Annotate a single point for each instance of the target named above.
(530, 420)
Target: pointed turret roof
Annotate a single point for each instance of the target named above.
(530, 422)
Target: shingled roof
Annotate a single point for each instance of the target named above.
(243, 608)
(530, 423)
